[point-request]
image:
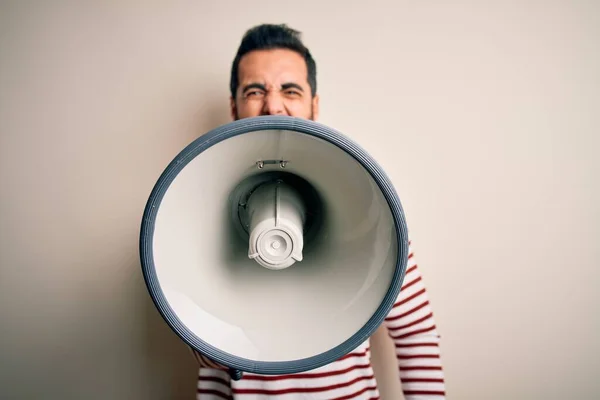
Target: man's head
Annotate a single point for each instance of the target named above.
(273, 73)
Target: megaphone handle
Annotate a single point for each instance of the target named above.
(235, 374)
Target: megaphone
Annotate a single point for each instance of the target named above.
(273, 245)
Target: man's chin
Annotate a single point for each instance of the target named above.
(236, 116)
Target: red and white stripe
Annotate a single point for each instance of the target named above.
(410, 325)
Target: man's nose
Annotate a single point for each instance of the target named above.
(273, 105)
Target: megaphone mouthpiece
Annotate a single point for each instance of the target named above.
(277, 217)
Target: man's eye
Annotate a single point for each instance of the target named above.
(253, 93)
(292, 93)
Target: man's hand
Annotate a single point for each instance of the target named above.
(205, 362)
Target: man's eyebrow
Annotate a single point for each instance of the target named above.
(254, 85)
(290, 85)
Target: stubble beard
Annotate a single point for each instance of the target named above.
(236, 116)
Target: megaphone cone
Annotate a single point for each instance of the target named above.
(273, 245)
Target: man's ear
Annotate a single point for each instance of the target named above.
(232, 108)
(315, 107)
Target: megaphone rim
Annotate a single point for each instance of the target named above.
(244, 126)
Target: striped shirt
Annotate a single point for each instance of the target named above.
(412, 328)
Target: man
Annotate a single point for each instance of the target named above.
(273, 73)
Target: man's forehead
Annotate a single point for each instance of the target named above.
(272, 67)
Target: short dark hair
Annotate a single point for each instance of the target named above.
(273, 36)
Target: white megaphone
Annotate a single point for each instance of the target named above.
(273, 245)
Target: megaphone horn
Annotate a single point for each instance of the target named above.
(273, 245)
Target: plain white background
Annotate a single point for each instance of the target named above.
(485, 114)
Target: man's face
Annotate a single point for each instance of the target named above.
(273, 82)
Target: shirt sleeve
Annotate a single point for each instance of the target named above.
(412, 327)
(214, 382)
